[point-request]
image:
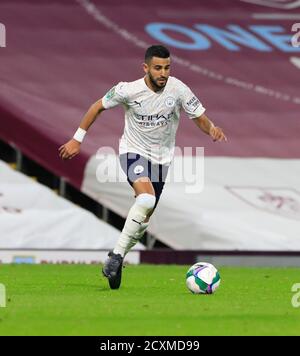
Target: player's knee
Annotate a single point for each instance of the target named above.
(146, 201)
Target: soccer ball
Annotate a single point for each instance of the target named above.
(203, 278)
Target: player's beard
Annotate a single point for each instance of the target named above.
(155, 82)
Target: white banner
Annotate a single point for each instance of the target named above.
(246, 204)
(32, 216)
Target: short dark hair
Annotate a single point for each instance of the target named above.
(156, 51)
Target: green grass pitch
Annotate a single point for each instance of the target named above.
(153, 300)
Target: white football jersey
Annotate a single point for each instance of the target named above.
(152, 118)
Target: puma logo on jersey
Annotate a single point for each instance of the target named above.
(137, 103)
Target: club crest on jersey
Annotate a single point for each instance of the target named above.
(138, 169)
(170, 102)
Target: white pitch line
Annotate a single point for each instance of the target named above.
(275, 4)
(295, 61)
(274, 16)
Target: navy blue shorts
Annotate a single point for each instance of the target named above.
(136, 166)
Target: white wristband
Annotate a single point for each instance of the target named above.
(79, 135)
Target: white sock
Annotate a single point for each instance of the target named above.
(139, 234)
(134, 223)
